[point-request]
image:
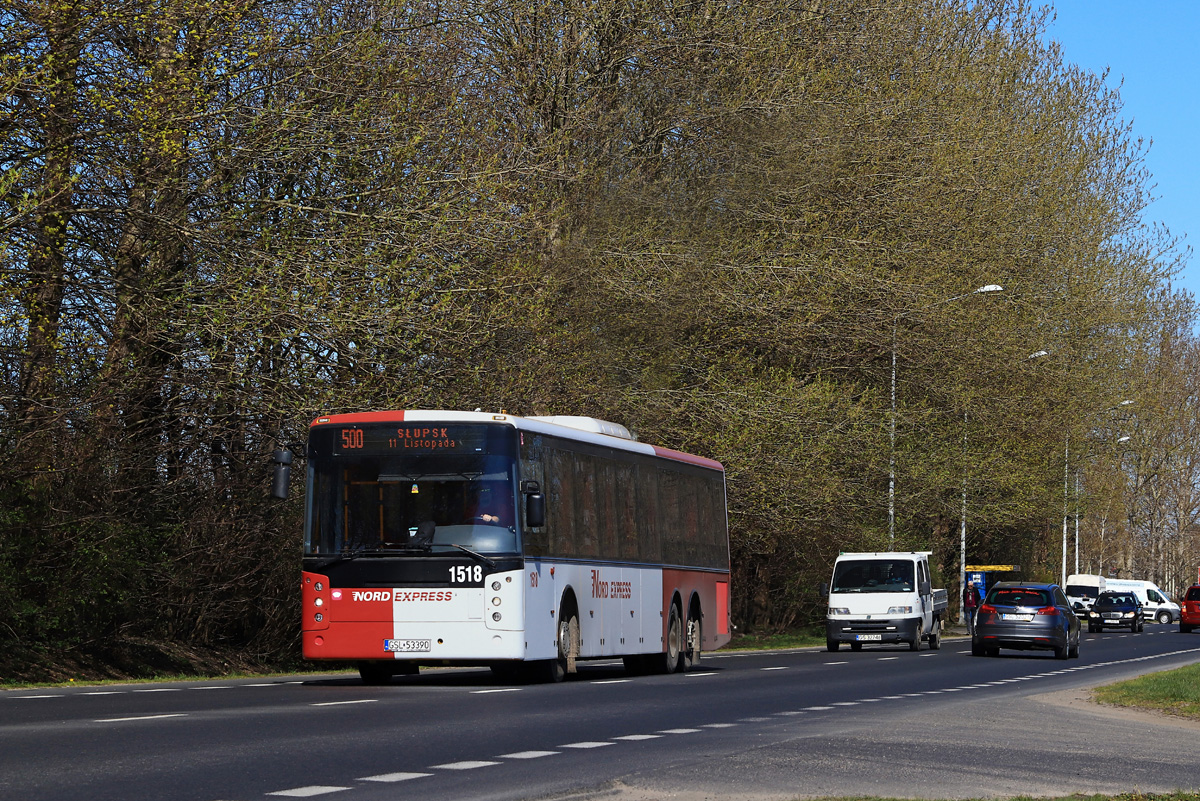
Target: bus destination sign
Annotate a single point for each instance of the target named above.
(414, 438)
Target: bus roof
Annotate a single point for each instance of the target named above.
(582, 429)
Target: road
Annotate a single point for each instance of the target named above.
(776, 725)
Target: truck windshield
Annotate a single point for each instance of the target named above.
(1083, 591)
(873, 575)
(375, 499)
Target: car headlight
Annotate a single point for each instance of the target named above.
(1093, 614)
(1129, 614)
(899, 610)
(839, 610)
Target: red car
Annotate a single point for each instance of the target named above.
(1189, 610)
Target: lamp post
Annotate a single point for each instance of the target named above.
(1066, 495)
(983, 290)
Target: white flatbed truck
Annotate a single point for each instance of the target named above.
(883, 597)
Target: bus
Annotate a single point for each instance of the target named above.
(524, 544)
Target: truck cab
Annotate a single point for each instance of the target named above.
(883, 597)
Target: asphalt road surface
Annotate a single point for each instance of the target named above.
(777, 725)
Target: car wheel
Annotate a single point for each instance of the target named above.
(976, 649)
(1061, 653)
(1184, 628)
(1164, 616)
(1092, 629)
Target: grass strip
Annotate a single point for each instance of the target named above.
(1174, 692)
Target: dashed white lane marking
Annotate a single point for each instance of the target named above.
(887, 658)
(679, 731)
(836, 663)
(717, 725)
(103, 692)
(752, 720)
(344, 703)
(528, 754)
(309, 791)
(393, 777)
(500, 690)
(26, 697)
(789, 713)
(160, 690)
(141, 717)
(816, 708)
(636, 737)
(465, 765)
(586, 744)
(700, 675)
(844, 703)
(774, 668)
(612, 681)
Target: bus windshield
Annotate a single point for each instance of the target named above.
(388, 499)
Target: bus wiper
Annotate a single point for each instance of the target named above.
(475, 554)
(344, 556)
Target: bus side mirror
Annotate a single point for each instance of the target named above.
(535, 504)
(282, 459)
(823, 590)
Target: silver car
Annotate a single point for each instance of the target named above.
(1026, 617)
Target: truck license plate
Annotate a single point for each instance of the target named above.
(868, 637)
(406, 646)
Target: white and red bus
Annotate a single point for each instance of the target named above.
(523, 544)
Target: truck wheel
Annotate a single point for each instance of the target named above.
(831, 645)
(935, 636)
(915, 643)
(1164, 616)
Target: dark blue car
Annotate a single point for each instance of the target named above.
(1116, 610)
(1026, 617)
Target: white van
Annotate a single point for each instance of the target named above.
(1155, 603)
(1083, 589)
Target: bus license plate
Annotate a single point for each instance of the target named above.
(868, 637)
(406, 646)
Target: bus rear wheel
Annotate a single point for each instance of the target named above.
(692, 639)
(671, 660)
(375, 673)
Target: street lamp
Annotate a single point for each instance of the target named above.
(983, 290)
(1066, 495)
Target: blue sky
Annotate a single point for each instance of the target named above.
(1147, 44)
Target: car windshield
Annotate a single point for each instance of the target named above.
(1115, 600)
(873, 575)
(1018, 596)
